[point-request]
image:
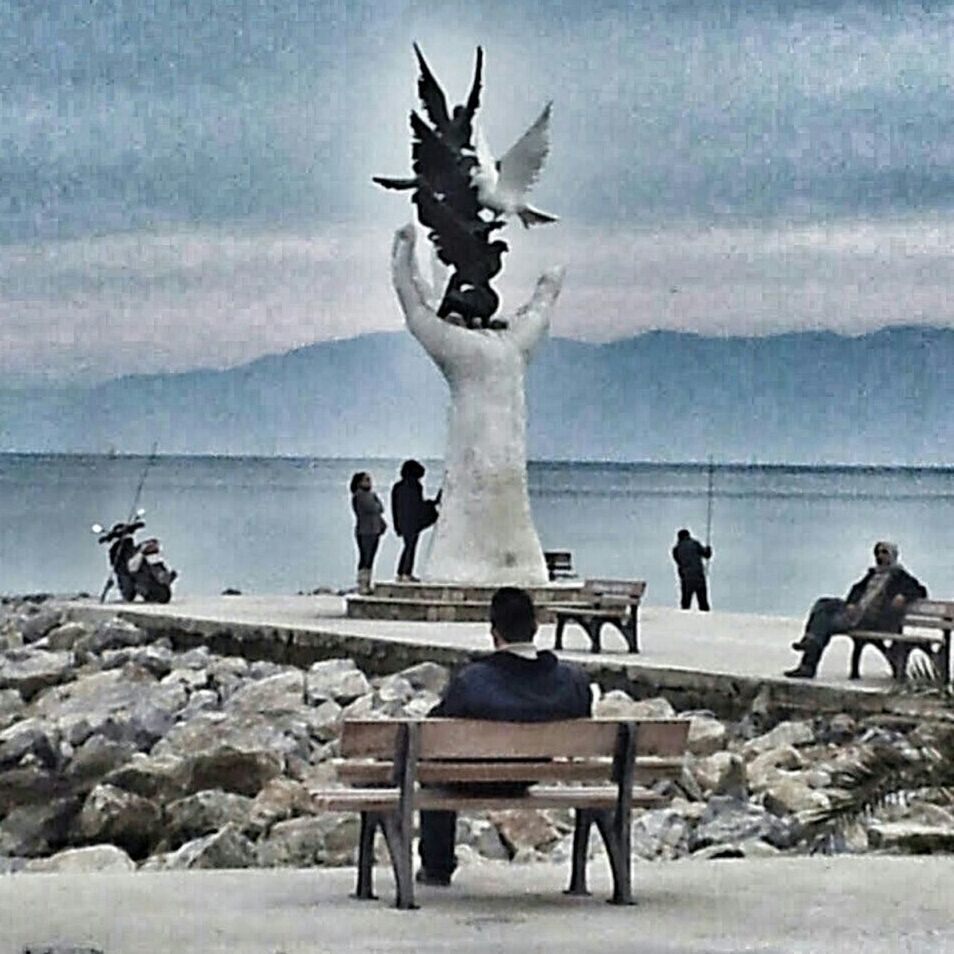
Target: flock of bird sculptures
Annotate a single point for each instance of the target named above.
(463, 194)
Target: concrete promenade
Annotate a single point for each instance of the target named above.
(879, 905)
(727, 653)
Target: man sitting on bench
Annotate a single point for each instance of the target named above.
(518, 683)
(875, 602)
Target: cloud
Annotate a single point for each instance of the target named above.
(95, 308)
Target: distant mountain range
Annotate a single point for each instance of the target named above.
(812, 397)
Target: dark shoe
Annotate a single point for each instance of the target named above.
(801, 645)
(800, 672)
(424, 876)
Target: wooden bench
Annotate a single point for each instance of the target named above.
(598, 767)
(559, 564)
(897, 647)
(606, 601)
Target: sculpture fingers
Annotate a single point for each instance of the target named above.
(531, 322)
(411, 288)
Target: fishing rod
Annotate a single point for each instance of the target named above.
(132, 513)
(709, 507)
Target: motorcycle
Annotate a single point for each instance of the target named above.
(138, 567)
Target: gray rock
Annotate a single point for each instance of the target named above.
(29, 736)
(661, 833)
(202, 700)
(36, 625)
(337, 679)
(618, 704)
(785, 733)
(753, 848)
(31, 671)
(722, 773)
(727, 820)
(524, 830)
(11, 707)
(38, 829)
(789, 795)
(280, 799)
(66, 635)
(96, 758)
(123, 818)
(297, 842)
(12, 865)
(282, 693)
(767, 767)
(395, 689)
(111, 634)
(839, 729)
(203, 813)
(706, 735)
(29, 785)
(89, 860)
(910, 838)
(156, 660)
(427, 675)
(227, 848)
(160, 777)
(420, 705)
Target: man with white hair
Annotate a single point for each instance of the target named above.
(876, 601)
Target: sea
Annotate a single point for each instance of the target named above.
(781, 535)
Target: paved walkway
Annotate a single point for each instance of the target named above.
(733, 644)
(878, 905)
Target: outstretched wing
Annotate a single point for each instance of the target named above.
(431, 94)
(486, 169)
(521, 165)
(473, 100)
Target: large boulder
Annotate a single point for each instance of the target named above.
(620, 705)
(338, 679)
(427, 676)
(767, 767)
(11, 707)
(111, 634)
(94, 859)
(706, 735)
(29, 785)
(29, 737)
(661, 833)
(96, 758)
(38, 829)
(34, 626)
(730, 820)
(911, 838)
(280, 799)
(30, 671)
(785, 733)
(791, 795)
(203, 813)
(227, 848)
(522, 829)
(122, 818)
(66, 635)
(722, 773)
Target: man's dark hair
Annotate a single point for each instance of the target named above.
(512, 615)
(682, 535)
(412, 470)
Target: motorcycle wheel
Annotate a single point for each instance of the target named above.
(157, 593)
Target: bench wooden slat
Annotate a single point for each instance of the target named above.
(479, 739)
(897, 637)
(648, 769)
(384, 799)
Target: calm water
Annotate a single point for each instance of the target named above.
(781, 536)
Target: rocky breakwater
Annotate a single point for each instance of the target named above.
(118, 752)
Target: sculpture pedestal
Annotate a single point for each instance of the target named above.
(451, 602)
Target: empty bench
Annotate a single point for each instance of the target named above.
(559, 564)
(921, 615)
(598, 767)
(604, 601)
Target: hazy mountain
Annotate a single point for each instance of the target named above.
(806, 397)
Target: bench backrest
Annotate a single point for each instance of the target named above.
(608, 592)
(558, 559)
(937, 614)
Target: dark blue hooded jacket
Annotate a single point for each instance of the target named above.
(506, 687)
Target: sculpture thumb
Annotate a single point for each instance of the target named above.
(404, 271)
(548, 289)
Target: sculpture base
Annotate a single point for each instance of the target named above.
(451, 602)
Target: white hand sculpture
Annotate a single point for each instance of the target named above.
(485, 534)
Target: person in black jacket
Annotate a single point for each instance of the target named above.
(876, 601)
(411, 514)
(518, 683)
(689, 554)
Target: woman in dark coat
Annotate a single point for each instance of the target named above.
(369, 526)
(411, 514)
(876, 601)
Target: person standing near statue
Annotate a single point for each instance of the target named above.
(689, 554)
(369, 526)
(411, 514)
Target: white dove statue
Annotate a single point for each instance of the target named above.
(502, 186)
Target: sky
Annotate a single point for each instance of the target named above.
(187, 183)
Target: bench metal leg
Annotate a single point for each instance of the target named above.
(581, 840)
(616, 839)
(364, 890)
(593, 631)
(399, 848)
(632, 636)
(558, 639)
(858, 646)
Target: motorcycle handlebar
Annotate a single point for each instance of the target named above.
(121, 530)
